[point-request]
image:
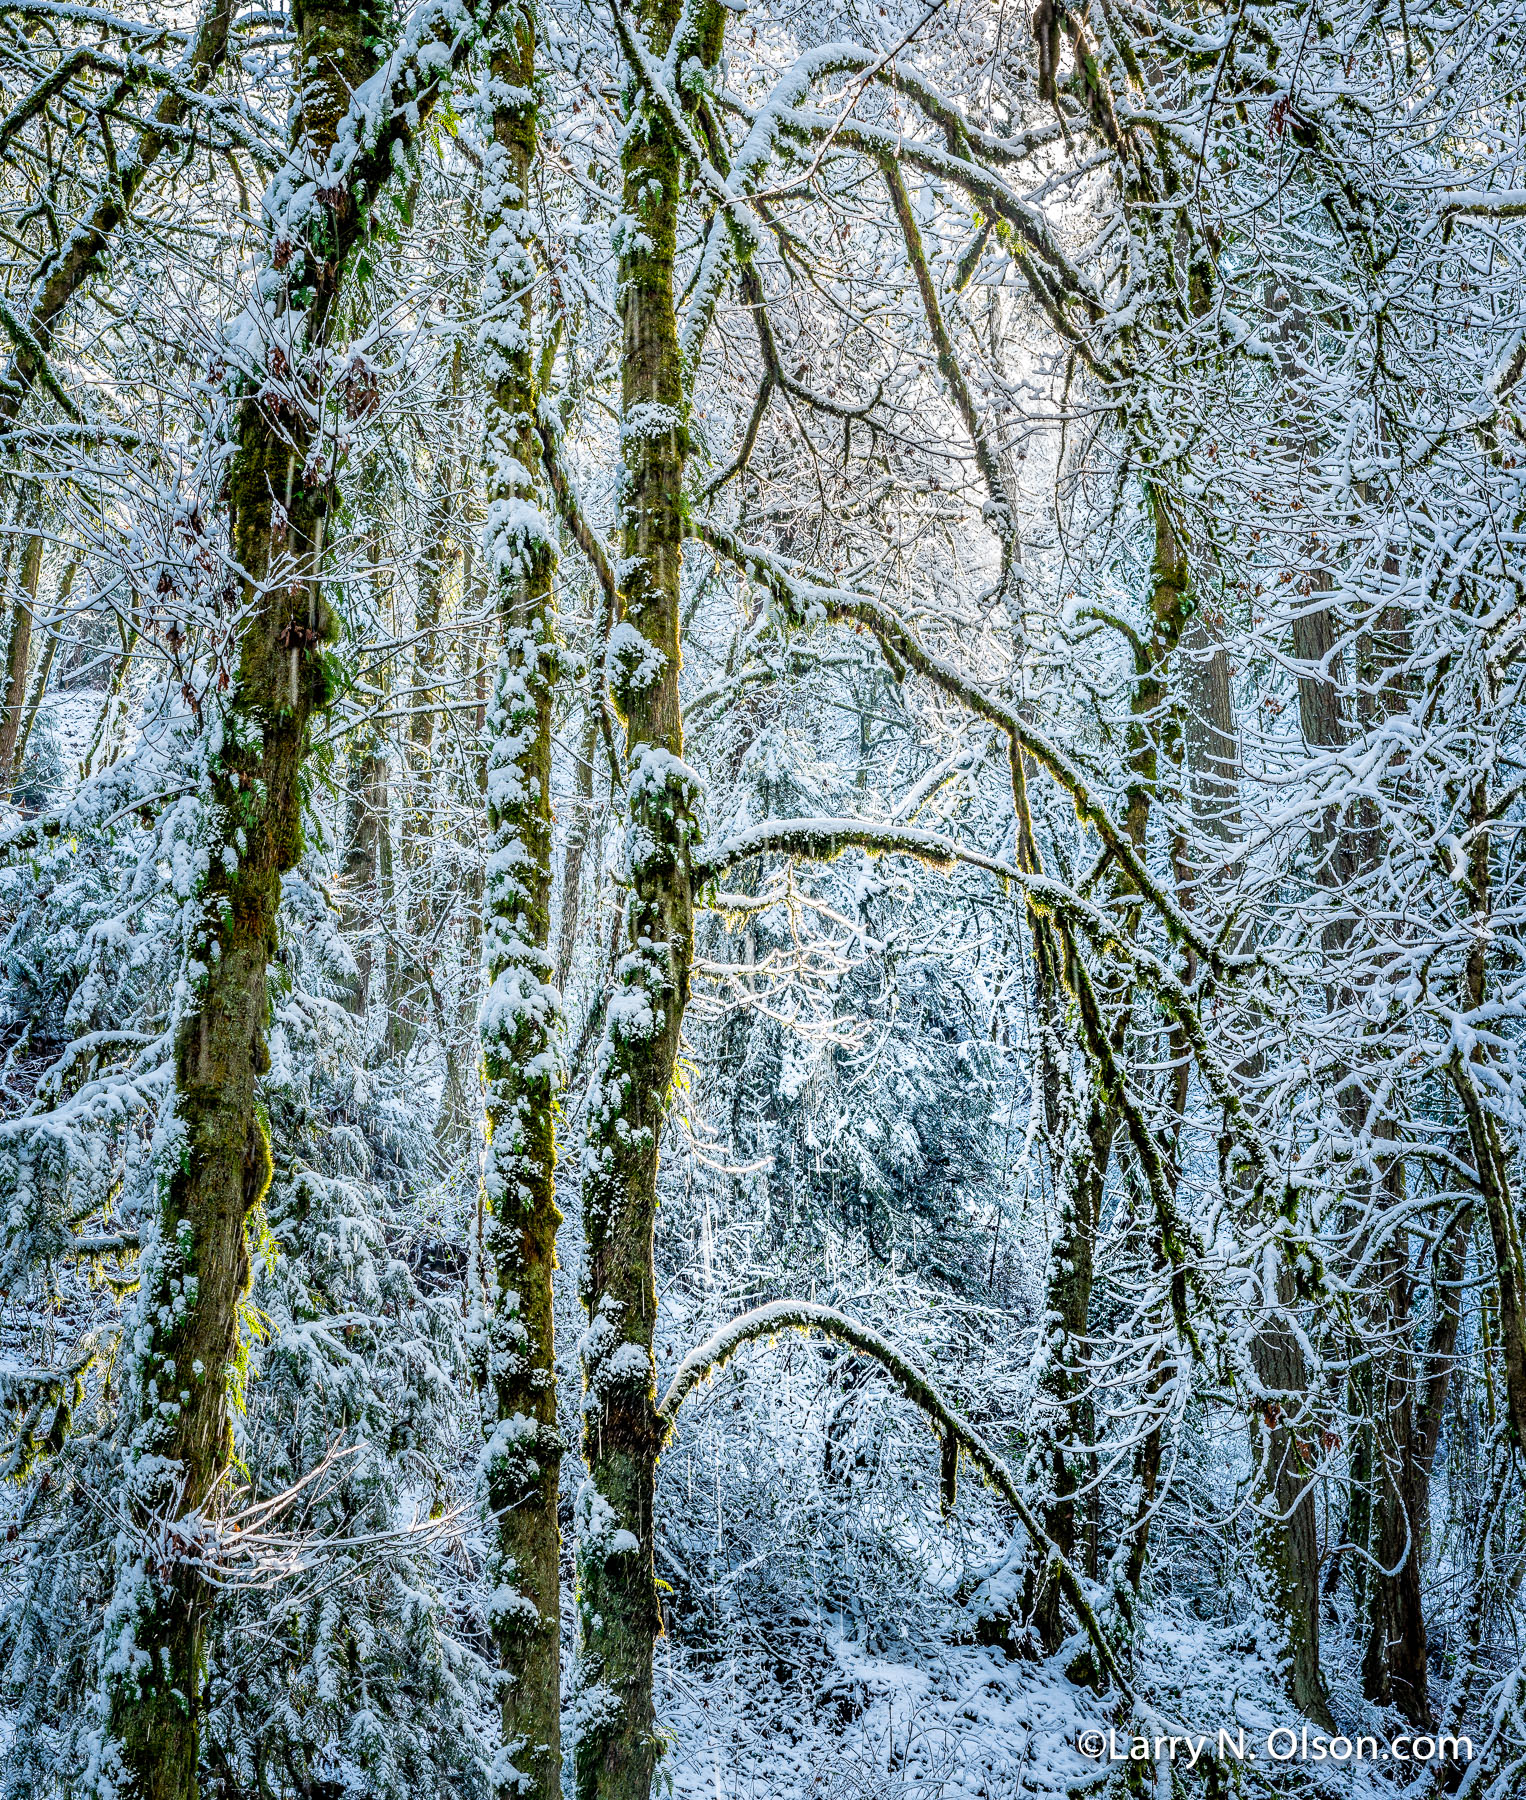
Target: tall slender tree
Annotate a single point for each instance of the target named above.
(355, 110)
(521, 1015)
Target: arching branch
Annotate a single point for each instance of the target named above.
(805, 1315)
(825, 838)
(808, 598)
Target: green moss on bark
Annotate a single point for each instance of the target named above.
(618, 1608)
(187, 1354)
(521, 1018)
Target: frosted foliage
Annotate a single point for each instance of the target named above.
(919, 761)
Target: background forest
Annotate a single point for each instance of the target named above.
(761, 967)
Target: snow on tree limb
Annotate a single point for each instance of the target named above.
(802, 1315)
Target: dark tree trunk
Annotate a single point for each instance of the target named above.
(1287, 1544)
(367, 854)
(619, 1613)
(185, 1362)
(521, 1014)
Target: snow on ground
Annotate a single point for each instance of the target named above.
(72, 715)
(957, 1724)
(965, 1723)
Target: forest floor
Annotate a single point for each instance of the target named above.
(959, 1722)
(968, 1723)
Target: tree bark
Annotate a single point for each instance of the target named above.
(367, 855)
(619, 1615)
(44, 670)
(579, 831)
(1212, 739)
(1394, 1661)
(18, 652)
(104, 738)
(1490, 1159)
(185, 1361)
(521, 1016)
(1285, 1528)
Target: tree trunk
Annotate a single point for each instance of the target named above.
(1490, 1159)
(1286, 1538)
(18, 652)
(104, 739)
(44, 670)
(366, 852)
(1286, 1527)
(579, 830)
(521, 1016)
(1073, 1252)
(619, 1614)
(185, 1359)
(1211, 738)
(1394, 1662)
(423, 702)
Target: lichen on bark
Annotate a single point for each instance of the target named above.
(521, 1015)
(185, 1359)
(619, 1613)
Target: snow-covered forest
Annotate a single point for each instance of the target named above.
(763, 954)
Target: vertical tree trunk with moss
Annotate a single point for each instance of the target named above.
(188, 1352)
(619, 1614)
(521, 1014)
(1088, 1117)
(185, 1361)
(18, 651)
(367, 856)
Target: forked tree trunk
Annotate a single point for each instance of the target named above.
(521, 1015)
(184, 1361)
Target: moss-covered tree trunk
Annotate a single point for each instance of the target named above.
(618, 1609)
(521, 1014)
(185, 1357)
(367, 859)
(1066, 1404)
(18, 651)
